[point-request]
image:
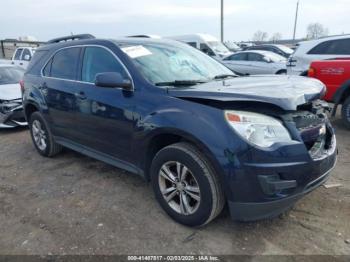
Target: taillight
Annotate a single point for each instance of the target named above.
(311, 72)
(22, 85)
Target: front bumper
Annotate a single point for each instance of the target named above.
(264, 189)
(261, 210)
(13, 118)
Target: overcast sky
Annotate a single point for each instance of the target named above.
(45, 19)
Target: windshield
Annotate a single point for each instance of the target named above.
(232, 46)
(10, 75)
(169, 62)
(275, 57)
(218, 47)
(286, 49)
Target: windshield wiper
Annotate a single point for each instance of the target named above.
(224, 76)
(180, 83)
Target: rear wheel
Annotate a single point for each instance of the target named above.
(185, 185)
(42, 137)
(345, 112)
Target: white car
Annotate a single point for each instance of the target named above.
(11, 110)
(320, 49)
(22, 56)
(256, 63)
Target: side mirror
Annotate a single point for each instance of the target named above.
(26, 57)
(113, 79)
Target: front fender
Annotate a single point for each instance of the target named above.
(205, 128)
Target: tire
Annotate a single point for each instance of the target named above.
(345, 112)
(40, 131)
(200, 176)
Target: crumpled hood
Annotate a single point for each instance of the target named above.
(286, 92)
(10, 92)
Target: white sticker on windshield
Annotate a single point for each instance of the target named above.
(136, 51)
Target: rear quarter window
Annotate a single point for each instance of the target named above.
(37, 62)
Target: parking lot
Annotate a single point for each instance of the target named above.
(72, 204)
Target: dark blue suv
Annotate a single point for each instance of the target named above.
(203, 136)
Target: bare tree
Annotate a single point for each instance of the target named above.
(316, 30)
(275, 37)
(260, 36)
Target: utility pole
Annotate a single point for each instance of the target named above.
(222, 21)
(296, 20)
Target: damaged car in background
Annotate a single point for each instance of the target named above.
(202, 136)
(11, 109)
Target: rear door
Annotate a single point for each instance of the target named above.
(60, 89)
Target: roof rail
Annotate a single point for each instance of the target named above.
(70, 38)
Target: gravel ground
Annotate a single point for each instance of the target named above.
(72, 204)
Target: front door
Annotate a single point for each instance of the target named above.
(105, 115)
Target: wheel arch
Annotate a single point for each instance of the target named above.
(29, 109)
(167, 137)
(280, 71)
(342, 93)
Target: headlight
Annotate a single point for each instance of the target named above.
(257, 129)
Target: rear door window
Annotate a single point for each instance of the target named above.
(99, 60)
(65, 64)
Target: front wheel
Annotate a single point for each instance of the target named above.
(185, 185)
(345, 112)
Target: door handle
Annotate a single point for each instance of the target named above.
(20, 63)
(80, 95)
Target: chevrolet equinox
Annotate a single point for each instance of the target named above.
(201, 135)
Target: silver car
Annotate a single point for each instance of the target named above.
(11, 110)
(256, 63)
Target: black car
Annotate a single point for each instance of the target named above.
(166, 111)
(278, 49)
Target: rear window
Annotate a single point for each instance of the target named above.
(332, 47)
(65, 63)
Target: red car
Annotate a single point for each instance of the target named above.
(335, 74)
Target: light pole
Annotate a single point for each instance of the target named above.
(222, 21)
(296, 20)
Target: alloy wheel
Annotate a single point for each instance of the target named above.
(179, 188)
(39, 135)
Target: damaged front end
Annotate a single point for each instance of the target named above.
(12, 114)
